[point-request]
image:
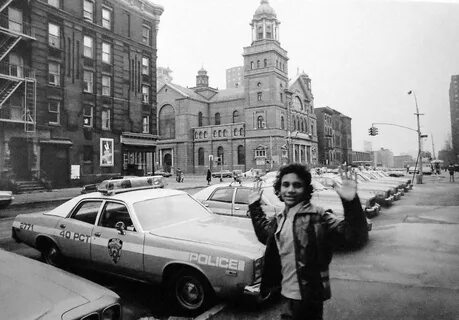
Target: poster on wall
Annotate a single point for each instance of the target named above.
(106, 152)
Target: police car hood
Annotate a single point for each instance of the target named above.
(227, 233)
(31, 290)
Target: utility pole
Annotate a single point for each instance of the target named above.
(419, 135)
(433, 146)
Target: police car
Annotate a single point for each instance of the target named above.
(151, 234)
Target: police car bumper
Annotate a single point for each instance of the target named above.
(252, 290)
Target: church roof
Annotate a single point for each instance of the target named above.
(228, 94)
(264, 10)
(189, 93)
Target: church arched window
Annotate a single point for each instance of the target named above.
(235, 116)
(258, 64)
(260, 122)
(240, 155)
(200, 156)
(167, 122)
(217, 118)
(265, 62)
(282, 123)
(200, 119)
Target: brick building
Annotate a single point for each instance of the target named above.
(334, 136)
(78, 83)
(263, 123)
(454, 113)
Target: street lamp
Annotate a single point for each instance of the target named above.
(419, 135)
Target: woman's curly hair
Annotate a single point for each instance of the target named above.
(303, 174)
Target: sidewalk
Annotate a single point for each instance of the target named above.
(61, 195)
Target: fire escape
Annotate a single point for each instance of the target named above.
(17, 82)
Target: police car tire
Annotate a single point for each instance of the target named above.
(186, 280)
(52, 255)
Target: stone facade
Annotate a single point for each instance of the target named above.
(263, 123)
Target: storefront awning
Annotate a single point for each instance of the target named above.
(57, 141)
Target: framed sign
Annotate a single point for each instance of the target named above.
(106, 152)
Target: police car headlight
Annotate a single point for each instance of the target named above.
(112, 313)
(257, 269)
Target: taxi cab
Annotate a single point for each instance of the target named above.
(156, 235)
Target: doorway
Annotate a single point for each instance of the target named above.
(22, 156)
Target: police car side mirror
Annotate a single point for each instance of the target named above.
(120, 227)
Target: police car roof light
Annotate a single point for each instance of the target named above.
(110, 187)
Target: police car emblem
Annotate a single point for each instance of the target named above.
(114, 249)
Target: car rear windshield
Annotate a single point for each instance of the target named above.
(156, 213)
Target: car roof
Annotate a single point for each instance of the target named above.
(41, 288)
(133, 195)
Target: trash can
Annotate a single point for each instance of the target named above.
(418, 179)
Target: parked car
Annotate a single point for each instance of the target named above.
(252, 173)
(222, 173)
(233, 199)
(6, 197)
(165, 174)
(31, 289)
(152, 234)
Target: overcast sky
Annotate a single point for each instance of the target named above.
(362, 56)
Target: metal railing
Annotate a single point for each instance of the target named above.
(15, 70)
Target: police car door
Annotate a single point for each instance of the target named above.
(74, 232)
(115, 244)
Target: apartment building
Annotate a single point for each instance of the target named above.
(77, 89)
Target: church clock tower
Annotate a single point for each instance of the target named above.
(265, 83)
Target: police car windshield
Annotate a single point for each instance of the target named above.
(159, 212)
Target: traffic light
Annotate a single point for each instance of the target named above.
(370, 131)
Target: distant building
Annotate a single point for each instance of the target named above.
(367, 146)
(384, 158)
(234, 77)
(454, 111)
(334, 136)
(163, 75)
(361, 158)
(403, 161)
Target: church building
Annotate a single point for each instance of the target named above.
(264, 122)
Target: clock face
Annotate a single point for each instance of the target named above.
(297, 104)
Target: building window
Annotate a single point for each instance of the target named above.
(107, 18)
(54, 73)
(260, 122)
(146, 124)
(87, 116)
(106, 85)
(258, 64)
(217, 118)
(241, 131)
(145, 66)
(88, 47)
(54, 112)
(240, 155)
(221, 154)
(205, 134)
(251, 65)
(167, 122)
(235, 116)
(145, 94)
(15, 19)
(260, 32)
(219, 133)
(54, 32)
(281, 97)
(265, 62)
(282, 123)
(54, 3)
(200, 156)
(200, 135)
(106, 118)
(88, 81)
(259, 94)
(146, 35)
(260, 153)
(88, 10)
(200, 119)
(106, 52)
(235, 132)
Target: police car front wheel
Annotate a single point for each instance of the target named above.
(190, 291)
